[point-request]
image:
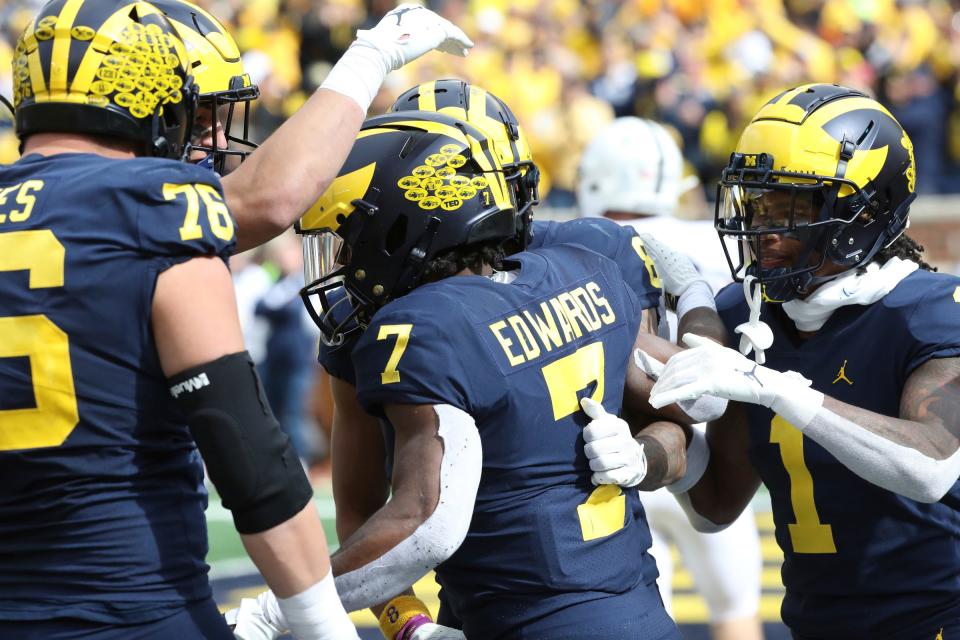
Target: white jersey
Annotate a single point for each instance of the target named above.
(696, 238)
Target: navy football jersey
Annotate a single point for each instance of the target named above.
(619, 243)
(101, 486)
(517, 357)
(859, 561)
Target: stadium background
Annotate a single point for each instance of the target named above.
(567, 67)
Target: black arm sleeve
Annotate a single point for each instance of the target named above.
(248, 457)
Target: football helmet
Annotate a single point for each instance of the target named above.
(219, 76)
(104, 67)
(634, 166)
(496, 121)
(415, 184)
(822, 164)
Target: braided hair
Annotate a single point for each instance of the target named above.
(905, 248)
(471, 257)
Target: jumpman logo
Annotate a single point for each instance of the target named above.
(842, 374)
(399, 13)
(752, 374)
(939, 634)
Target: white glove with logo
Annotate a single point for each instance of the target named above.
(675, 269)
(431, 631)
(709, 369)
(403, 35)
(250, 623)
(615, 456)
(409, 31)
(679, 275)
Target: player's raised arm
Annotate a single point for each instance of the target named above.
(295, 165)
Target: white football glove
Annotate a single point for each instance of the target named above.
(702, 409)
(708, 368)
(615, 456)
(249, 622)
(431, 631)
(675, 269)
(404, 34)
(409, 31)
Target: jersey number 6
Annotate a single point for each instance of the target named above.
(36, 336)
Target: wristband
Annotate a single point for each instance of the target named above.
(698, 455)
(795, 402)
(412, 625)
(400, 616)
(697, 294)
(317, 614)
(358, 74)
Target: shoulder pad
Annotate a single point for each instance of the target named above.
(182, 210)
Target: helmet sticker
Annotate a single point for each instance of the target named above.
(436, 184)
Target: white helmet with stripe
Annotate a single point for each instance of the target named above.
(631, 166)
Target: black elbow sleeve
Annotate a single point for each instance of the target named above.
(249, 459)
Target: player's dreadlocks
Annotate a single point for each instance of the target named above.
(471, 257)
(905, 248)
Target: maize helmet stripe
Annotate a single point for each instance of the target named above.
(107, 29)
(207, 25)
(476, 106)
(427, 97)
(215, 57)
(60, 57)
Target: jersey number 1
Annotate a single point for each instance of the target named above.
(55, 415)
(808, 534)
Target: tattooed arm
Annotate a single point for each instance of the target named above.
(916, 455)
(929, 411)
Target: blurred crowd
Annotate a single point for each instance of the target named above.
(567, 67)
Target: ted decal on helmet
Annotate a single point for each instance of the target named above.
(415, 185)
(103, 67)
(435, 183)
(823, 165)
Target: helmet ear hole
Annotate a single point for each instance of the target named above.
(161, 147)
(396, 236)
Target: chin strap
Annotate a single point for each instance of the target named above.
(755, 334)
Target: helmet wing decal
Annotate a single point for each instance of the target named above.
(338, 199)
